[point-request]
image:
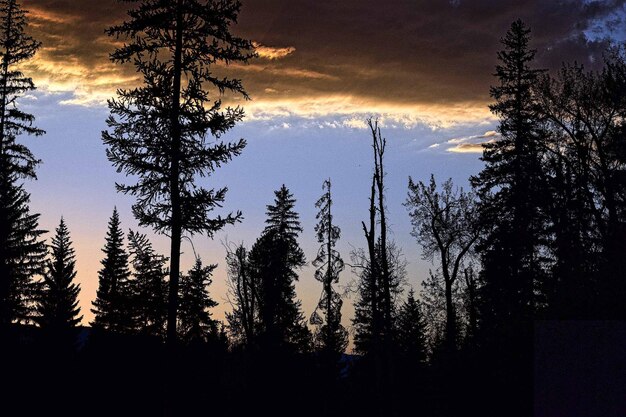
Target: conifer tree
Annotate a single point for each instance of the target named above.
(113, 299)
(22, 253)
(161, 132)
(331, 337)
(411, 333)
(58, 310)
(15, 47)
(510, 186)
(195, 322)
(274, 259)
(149, 287)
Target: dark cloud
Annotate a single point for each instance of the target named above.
(400, 52)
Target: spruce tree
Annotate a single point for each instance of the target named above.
(15, 48)
(22, 252)
(331, 337)
(510, 186)
(22, 255)
(58, 310)
(148, 286)
(411, 331)
(274, 259)
(111, 307)
(163, 132)
(512, 191)
(195, 323)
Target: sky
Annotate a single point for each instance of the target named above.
(423, 68)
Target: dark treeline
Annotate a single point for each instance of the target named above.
(540, 236)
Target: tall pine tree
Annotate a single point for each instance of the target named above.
(162, 132)
(111, 307)
(58, 310)
(22, 252)
(510, 186)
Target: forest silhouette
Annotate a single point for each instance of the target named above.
(525, 265)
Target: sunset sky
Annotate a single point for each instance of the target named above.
(423, 68)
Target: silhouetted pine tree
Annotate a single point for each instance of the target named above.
(21, 251)
(112, 306)
(331, 338)
(195, 323)
(58, 310)
(510, 187)
(15, 48)
(411, 332)
(512, 191)
(22, 255)
(274, 259)
(149, 287)
(369, 293)
(161, 132)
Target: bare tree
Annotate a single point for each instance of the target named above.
(445, 225)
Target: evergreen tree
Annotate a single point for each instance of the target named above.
(161, 132)
(195, 322)
(274, 259)
(22, 252)
(149, 287)
(112, 305)
(510, 186)
(331, 337)
(58, 310)
(512, 191)
(22, 255)
(370, 293)
(411, 333)
(15, 48)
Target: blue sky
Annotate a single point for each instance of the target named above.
(423, 68)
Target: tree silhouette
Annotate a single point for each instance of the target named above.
(243, 294)
(15, 48)
(112, 305)
(331, 337)
(195, 322)
(585, 158)
(58, 310)
(22, 255)
(21, 251)
(445, 224)
(160, 132)
(511, 185)
(274, 259)
(149, 287)
(411, 331)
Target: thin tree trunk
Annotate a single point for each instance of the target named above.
(176, 220)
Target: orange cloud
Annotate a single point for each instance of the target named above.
(271, 53)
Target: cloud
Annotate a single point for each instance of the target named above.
(467, 148)
(410, 62)
(473, 143)
(272, 53)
